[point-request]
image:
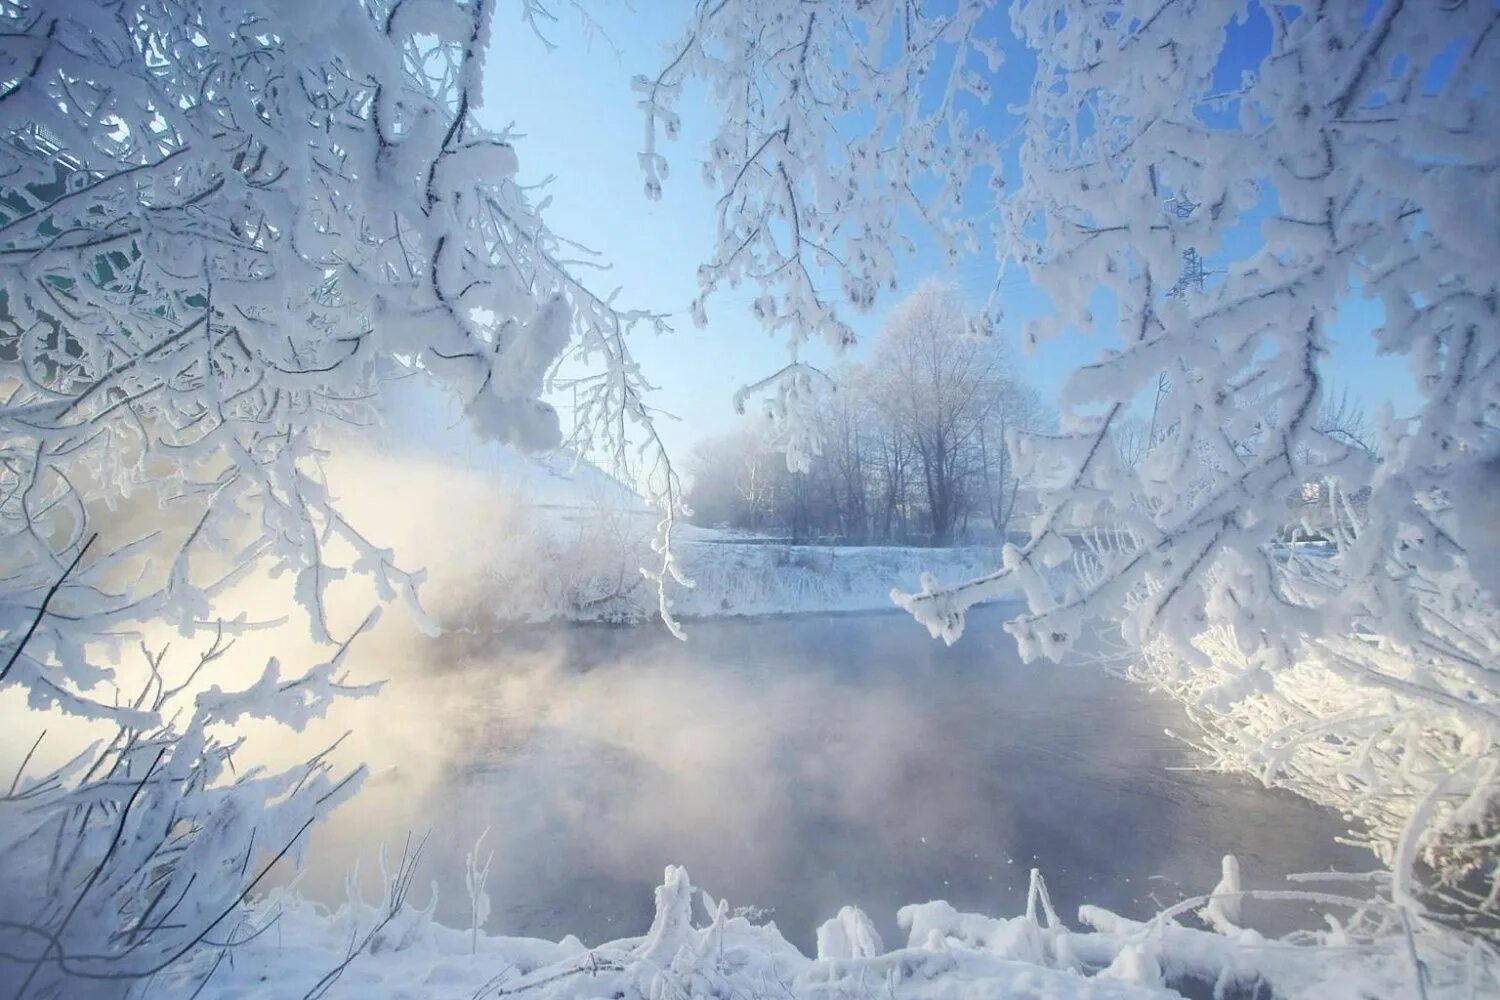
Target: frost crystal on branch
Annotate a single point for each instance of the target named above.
(836, 122)
(223, 226)
(1357, 155)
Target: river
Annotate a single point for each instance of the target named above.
(794, 765)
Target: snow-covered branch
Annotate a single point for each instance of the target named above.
(223, 228)
(1226, 225)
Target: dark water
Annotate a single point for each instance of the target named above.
(798, 764)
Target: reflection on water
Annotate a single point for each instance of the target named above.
(796, 765)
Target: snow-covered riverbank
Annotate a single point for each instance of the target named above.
(737, 578)
(698, 947)
(548, 540)
(595, 573)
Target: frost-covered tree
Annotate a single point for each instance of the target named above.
(1356, 154)
(737, 480)
(912, 442)
(222, 226)
(1000, 487)
(943, 376)
(835, 123)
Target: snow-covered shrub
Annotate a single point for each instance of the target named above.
(697, 946)
(1419, 781)
(141, 849)
(223, 227)
(1320, 154)
(592, 553)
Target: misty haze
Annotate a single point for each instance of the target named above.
(749, 499)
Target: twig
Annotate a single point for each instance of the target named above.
(16, 781)
(42, 611)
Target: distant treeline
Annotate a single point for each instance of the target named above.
(913, 443)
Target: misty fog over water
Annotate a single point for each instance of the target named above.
(793, 765)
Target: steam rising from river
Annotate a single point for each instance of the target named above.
(794, 764)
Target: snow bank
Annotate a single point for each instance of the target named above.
(556, 541)
(550, 538)
(291, 947)
(593, 572)
(740, 578)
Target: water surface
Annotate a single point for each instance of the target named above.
(795, 765)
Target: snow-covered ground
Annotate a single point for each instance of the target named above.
(590, 535)
(747, 578)
(698, 947)
(595, 558)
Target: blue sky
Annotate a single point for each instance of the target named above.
(581, 134)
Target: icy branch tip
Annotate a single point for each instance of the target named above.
(934, 608)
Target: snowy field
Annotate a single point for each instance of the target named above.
(745, 578)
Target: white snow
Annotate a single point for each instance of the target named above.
(502, 515)
(766, 579)
(694, 947)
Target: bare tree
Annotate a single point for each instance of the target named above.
(1341, 417)
(848, 414)
(1018, 410)
(943, 376)
(912, 443)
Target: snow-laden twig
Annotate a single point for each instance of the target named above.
(1225, 227)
